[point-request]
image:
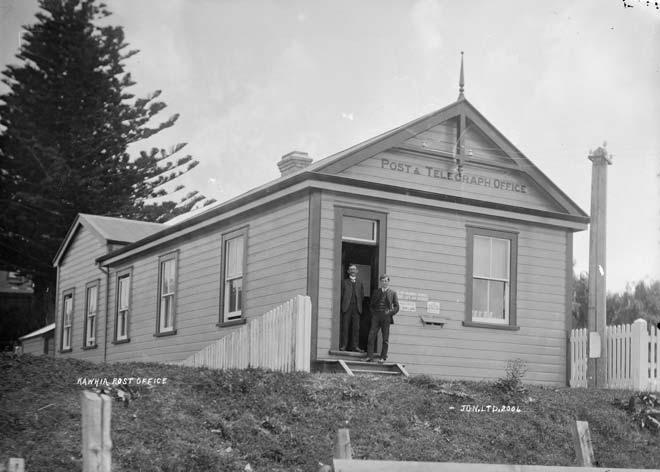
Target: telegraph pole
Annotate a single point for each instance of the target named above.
(597, 316)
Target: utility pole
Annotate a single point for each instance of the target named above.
(597, 315)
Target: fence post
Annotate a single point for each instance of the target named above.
(16, 464)
(640, 355)
(343, 447)
(96, 442)
(584, 450)
(302, 310)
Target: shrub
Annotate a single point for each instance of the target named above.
(511, 386)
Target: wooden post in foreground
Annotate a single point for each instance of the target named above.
(582, 441)
(16, 464)
(96, 442)
(343, 447)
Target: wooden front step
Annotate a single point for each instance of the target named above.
(354, 367)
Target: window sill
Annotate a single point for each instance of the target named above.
(226, 324)
(491, 326)
(121, 341)
(66, 351)
(87, 348)
(165, 333)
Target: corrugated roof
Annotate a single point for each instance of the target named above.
(121, 230)
(38, 332)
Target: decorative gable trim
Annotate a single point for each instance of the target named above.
(464, 111)
(352, 156)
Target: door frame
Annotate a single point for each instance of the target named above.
(381, 243)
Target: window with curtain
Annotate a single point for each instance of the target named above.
(91, 310)
(491, 279)
(234, 268)
(167, 290)
(123, 306)
(67, 320)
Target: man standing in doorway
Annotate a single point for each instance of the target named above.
(352, 296)
(384, 305)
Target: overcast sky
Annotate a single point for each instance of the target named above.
(254, 80)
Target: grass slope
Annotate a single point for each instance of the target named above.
(224, 420)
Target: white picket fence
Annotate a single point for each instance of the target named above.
(278, 340)
(633, 356)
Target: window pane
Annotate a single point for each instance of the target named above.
(90, 330)
(235, 292)
(234, 257)
(123, 293)
(234, 297)
(481, 256)
(359, 228)
(479, 298)
(91, 300)
(68, 306)
(122, 325)
(166, 311)
(167, 273)
(496, 299)
(500, 259)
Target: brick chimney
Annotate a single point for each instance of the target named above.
(293, 162)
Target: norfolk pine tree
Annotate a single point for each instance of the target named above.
(65, 126)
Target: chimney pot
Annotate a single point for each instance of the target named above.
(293, 161)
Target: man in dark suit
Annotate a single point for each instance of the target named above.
(384, 305)
(352, 296)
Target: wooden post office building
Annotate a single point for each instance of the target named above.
(476, 239)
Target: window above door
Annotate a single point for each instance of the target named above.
(359, 230)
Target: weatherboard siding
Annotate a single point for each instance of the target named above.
(441, 137)
(276, 272)
(426, 253)
(399, 168)
(34, 346)
(77, 268)
(480, 147)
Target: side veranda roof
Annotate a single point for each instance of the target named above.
(38, 332)
(109, 230)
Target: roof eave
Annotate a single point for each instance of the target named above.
(222, 208)
(67, 239)
(575, 207)
(319, 177)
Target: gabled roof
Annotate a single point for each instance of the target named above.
(38, 332)
(120, 230)
(108, 230)
(397, 136)
(327, 169)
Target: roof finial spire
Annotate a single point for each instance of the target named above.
(461, 82)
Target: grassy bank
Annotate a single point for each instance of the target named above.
(213, 420)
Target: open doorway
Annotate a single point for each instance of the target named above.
(360, 239)
(365, 257)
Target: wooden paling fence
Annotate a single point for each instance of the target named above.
(633, 354)
(279, 340)
(579, 340)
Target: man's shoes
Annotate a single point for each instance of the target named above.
(357, 349)
(369, 359)
(342, 348)
(382, 359)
